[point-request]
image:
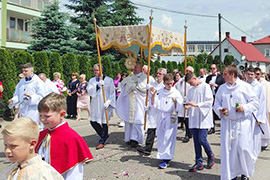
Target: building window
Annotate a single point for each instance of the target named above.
(12, 23)
(20, 24)
(200, 48)
(25, 25)
(208, 48)
(191, 48)
(226, 50)
(266, 53)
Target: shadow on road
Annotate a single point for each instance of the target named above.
(185, 175)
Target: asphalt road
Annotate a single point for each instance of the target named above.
(118, 161)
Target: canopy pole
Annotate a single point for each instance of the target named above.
(141, 55)
(149, 61)
(185, 84)
(100, 70)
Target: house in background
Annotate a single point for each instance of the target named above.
(245, 54)
(15, 16)
(194, 48)
(263, 45)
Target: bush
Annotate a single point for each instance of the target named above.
(70, 65)
(84, 66)
(56, 64)
(41, 63)
(116, 69)
(20, 58)
(8, 74)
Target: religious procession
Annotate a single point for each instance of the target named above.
(40, 143)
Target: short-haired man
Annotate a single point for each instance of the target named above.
(97, 115)
(234, 104)
(203, 74)
(130, 105)
(266, 126)
(214, 80)
(29, 91)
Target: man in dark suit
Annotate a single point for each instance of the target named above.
(214, 80)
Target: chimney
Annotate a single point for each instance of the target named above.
(243, 38)
(227, 34)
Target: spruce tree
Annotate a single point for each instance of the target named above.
(124, 13)
(51, 33)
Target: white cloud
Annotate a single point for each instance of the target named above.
(216, 35)
(166, 21)
(261, 28)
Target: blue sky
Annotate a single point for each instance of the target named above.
(252, 16)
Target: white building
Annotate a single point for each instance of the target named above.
(245, 54)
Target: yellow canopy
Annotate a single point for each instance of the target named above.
(130, 39)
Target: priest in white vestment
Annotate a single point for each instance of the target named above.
(234, 103)
(29, 91)
(260, 115)
(265, 126)
(97, 114)
(130, 105)
(166, 102)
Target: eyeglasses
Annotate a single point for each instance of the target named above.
(213, 68)
(258, 74)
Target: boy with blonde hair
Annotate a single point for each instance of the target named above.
(59, 145)
(20, 139)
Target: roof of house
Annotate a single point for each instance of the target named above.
(252, 53)
(265, 40)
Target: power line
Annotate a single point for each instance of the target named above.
(172, 11)
(236, 27)
(189, 14)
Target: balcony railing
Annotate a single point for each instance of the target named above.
(18, 36)
(32, 4)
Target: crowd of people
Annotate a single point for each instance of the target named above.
(239, 100)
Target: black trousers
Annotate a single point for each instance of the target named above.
(149, 142)
(102, 131)
(185, 120)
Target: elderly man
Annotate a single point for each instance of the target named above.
(214, 80)
(130, 105)
(29, 91)
(50, 86)
(265, 126)
(234, 104)
(152, 115)
(97, 115)
(203, 74)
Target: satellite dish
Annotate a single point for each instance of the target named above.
(243, 58)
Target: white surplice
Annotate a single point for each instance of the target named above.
(166, 128)
(97, 103)
(201, 117)
(237, 156)
(260, 115)
(50, 87)
(130, 106)
(29, 106)
(180, 86)
(265, 126)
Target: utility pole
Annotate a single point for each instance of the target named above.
(219, 38)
